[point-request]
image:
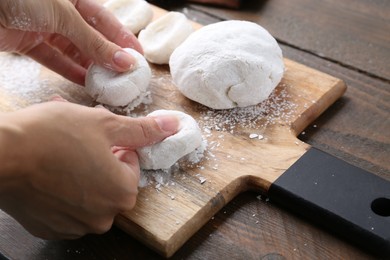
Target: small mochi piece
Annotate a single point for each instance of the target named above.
(160, 38)
(227, 64)
(119, 88)
(166, 153)
(135, 15)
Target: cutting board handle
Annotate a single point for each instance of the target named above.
(338, 196)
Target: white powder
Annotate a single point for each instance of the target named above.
(21, 22)
(197, 155)
(162, 177)
(159, 178)
(277, 108)
(144, 98)
(19, 76)
(23, 83)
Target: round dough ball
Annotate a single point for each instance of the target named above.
(227, 64)
(161, 37)
(135, 15)
(166, 153)
(119, 89)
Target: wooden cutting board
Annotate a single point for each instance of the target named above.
(171, 210)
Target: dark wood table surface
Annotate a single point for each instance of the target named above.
(347, 39)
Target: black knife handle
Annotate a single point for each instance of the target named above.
(338, 196)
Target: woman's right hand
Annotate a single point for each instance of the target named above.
(59, 176)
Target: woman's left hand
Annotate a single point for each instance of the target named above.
(66, 35)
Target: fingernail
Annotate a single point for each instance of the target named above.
(167, 123)
(130, 40)
(123, 60)
(100, 106)
(58, 98)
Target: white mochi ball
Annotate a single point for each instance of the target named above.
(133, 14)
(161, 37)
(166, 153)
(227, 64)
(119, 88)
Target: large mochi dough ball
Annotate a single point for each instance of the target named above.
(227, 64)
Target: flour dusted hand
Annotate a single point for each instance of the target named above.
(164, 154)
(66, 35)
(227, 64)
(119, 89)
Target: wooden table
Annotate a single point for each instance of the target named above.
(347, 39)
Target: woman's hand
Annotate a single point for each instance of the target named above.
(66, 35)
(61, 175)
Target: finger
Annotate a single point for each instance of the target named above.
(67, 48)
(95, 46)
(130, 179)
(57, 62)
(100, 106)
(107, 24)
(58, 98)
(137, 132)
(130, 158)
(115, 149)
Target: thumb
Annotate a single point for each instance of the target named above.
(138, 132)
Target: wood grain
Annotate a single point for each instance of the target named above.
(355, 128)
(165, 224)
